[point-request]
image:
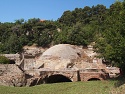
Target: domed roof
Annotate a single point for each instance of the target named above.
(62, 51)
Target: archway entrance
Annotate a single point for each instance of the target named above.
(57, 79)
(94, 79)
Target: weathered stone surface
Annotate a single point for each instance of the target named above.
(62, 51)
(11, 75)
(17, 80)
(33, 50)
(59, 57)
(68, 56)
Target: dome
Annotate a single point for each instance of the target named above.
(64, 56)
(61, 51)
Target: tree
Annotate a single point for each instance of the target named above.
(78, 36)
(111, 45)
(12, 45)
(20, 21)
(67, 18)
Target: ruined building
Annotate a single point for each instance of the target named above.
(60, 63)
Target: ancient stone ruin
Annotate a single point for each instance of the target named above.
(59, 63)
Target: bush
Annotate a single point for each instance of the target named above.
(4, 60)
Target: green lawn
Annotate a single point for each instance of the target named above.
(90, 87)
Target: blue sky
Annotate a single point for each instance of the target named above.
(11, 10)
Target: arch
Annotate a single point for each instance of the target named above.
(93, 79)
(57, 78)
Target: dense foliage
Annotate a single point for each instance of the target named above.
(75, 27)
(111, 43)
(104, 26)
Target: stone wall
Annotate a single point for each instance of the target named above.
(71, 74)
(11, 75)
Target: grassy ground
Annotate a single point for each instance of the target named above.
(91, 87)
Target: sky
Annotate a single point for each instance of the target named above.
(11, 10)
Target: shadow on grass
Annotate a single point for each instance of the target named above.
(119, 81)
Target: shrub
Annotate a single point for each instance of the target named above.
(4, 60)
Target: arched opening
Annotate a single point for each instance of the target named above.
(94, 79)
(57, 79)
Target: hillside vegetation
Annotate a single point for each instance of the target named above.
(104, 26)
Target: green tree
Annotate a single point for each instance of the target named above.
(111, 45)
(12, 45)
(67, 18)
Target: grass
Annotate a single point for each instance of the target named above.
(120, 90)
(120, 86)
(90, 87)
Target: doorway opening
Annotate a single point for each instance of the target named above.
(57, 79)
